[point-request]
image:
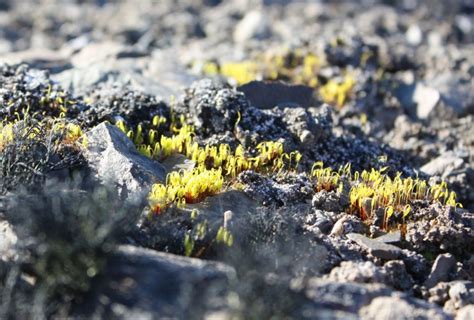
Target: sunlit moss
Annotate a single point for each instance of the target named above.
(337, 92)
(378, 189)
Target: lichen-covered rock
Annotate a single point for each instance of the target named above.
(212, 107)
(118, 103)
(280, 191)
(397, 275)
(329, 201)
(442, 228)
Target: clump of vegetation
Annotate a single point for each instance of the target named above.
(337, 92)
(267, 156)
(375, 189)
(65, 236)
(185, 187)
(30, 149)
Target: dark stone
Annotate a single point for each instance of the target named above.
(266, 95)
(376, 248)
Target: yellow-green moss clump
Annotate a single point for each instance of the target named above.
(374, 189)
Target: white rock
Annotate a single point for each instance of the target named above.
(414, 35)
(426, 99)
(254, 25)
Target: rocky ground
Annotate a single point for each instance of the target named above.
(386, 86)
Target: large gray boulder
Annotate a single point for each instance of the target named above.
(140, 283)
(114, 159)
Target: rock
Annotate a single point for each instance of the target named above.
(414, 35)
(266, 95)
(338, 228)
(114, 158)
(254, 25)
(441, 269)
(321, 220)
(8, 240)
(461, 293)
(465, 313)
(391, 237)
(376, 248)
(212, 107)
(416, 265)
(328, 201)
(426, 99)
(443, 165)
(54, 61)
(145, 284)
(355, 295)
(397, 275)
(440, 228)
(292, 189)
(439, 293)
(456, 92)
(361, 272)
(159, 74)
(176, 162)
(345, 296)
(303, 126)
(396, 308)
(419, 99)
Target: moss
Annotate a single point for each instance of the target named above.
(373, 189)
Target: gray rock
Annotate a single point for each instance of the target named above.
(361, 272)
(176, 162)
(145, 284)
(397, 275)
(376, 248)
(254, 25)
(456, 91)
(54, 61)
(343, 295)
(266, 95)
(443, 165)
(159, 74)
(419, 99)
(391, 237)
(328, 201)
(441, 269)
(114, 158)
(397, 308)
